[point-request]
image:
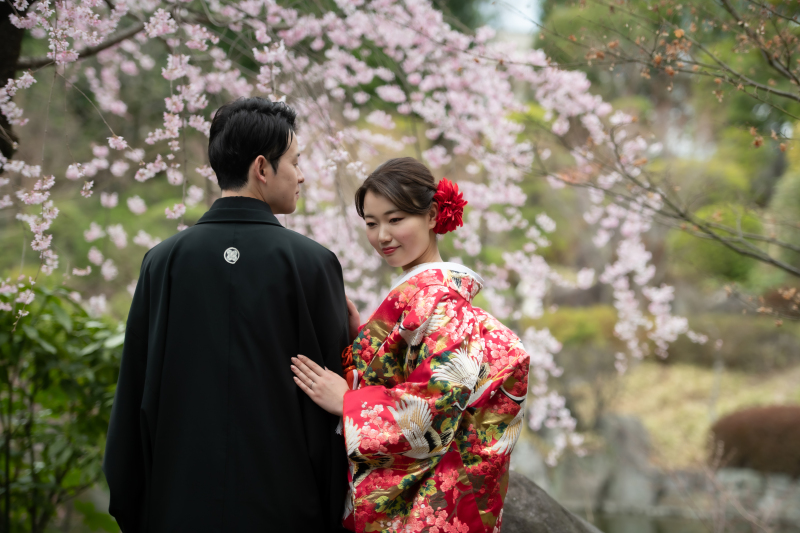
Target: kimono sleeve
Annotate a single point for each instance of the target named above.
(418, 417)
(123, 462)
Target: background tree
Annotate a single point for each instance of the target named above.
(685, 58)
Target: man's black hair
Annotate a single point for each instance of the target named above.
(245, 129)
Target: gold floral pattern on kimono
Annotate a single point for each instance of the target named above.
(437, 407)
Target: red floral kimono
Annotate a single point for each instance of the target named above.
(437, 405)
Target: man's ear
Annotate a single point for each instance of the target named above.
(432, 214)
(261, 169)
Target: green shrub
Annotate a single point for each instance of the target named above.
(58, 372)
(750, 343)
(785, 209)
(710, 258)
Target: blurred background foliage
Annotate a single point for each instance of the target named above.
(710, 158)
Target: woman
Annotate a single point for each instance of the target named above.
(434, 398)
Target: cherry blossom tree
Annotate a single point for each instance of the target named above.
(367, 77)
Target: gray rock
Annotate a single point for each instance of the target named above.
(781, 498)
(684, 489)
(746, 485)
(578, 481)
(529, 509)
(528, 461)
(634, 484)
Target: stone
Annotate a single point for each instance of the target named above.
(746, 485)
(578, 481)
(633, 484)
(781, 498)
(529, 509)
(528, 461)
(682, 489)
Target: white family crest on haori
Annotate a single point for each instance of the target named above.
(231, 255)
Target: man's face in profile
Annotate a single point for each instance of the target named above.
(283, 187)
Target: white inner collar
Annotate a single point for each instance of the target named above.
(455, 267)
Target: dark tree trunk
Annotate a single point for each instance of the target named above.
(10, 46)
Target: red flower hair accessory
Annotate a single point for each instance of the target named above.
(451, 207)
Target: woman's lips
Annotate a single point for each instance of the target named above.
(390, 250)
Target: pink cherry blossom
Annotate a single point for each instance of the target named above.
(97, 305)
(109, 270)
(117, 143)
(136, 205)
(177, 211)
(161, 23)
(94, 232)
(109, 200)
(194, 195)
(144, 239)
(86, 191)
(95, 256)
(391, 93)
(119, 168)
(26, 297)
(381, 119)
(118, 235)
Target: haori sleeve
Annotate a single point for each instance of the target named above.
(123, 462)
(418, 417)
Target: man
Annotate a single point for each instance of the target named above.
(208, 431)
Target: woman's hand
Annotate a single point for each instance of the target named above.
(353, 318)
(325, 387)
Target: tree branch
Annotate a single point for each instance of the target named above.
(759, 42)
(26, 63)
(767, 7)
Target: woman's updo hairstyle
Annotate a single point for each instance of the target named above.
(404, 181)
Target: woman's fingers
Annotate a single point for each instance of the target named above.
(303, 386)
(301, 362)
(313, 367)
(326, 389)
(302, 376)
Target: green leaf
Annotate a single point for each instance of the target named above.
(33, 334)
(94, 519)
(116, 340)
(90, 348)
(62, 317)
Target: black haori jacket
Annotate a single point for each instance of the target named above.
(209, 433)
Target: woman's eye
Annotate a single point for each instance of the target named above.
(395, 220)
(370, 224)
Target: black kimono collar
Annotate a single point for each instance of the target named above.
(239, 209)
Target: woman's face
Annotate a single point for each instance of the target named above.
(404, 240)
